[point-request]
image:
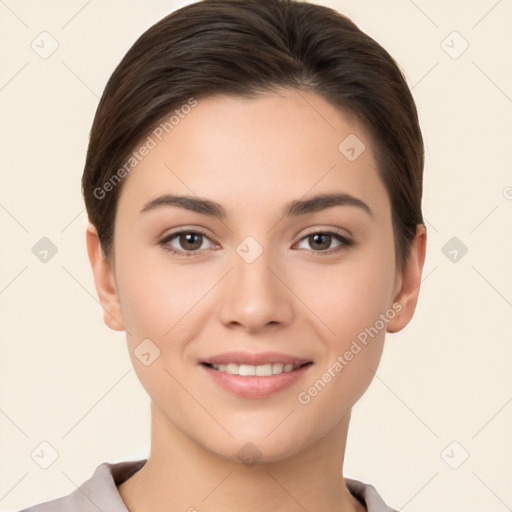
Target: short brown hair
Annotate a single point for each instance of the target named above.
(243, 48)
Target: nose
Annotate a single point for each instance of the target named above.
(255, 295)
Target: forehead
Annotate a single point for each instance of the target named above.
(256, 153)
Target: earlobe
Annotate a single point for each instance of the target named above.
(407, 295)
(104, 281)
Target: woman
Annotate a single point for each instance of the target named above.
(253, 183)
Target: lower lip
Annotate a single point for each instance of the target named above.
(255, 386)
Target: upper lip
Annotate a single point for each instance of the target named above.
(255, 359)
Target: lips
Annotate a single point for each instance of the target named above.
(255, 359)
(260, 375)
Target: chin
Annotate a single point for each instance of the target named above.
(258, 446)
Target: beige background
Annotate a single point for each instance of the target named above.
(67, 380)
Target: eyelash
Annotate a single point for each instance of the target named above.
(345, 242)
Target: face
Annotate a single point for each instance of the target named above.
(312, 282)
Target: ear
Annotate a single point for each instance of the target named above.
(408, 284)
(104, 281)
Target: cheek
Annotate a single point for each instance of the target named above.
(160, 300)
(363, 313)
(350, 299)
(349, 296)
(161, 303)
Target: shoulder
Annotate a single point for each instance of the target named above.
(368, 495)
(97, 493)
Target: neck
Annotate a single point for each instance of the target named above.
(182, 475)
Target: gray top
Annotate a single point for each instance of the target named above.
(100, 492)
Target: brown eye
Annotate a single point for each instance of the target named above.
(320, 242)
(188, 242)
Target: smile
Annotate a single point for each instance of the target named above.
(255, 381)
(264, 370)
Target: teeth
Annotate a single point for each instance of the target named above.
(264, 370)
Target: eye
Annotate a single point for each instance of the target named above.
(190, 241)
(321, 240)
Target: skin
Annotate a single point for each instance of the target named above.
(252, 157)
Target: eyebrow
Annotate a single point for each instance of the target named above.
(291, 209)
